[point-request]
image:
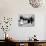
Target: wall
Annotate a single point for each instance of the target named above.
(45, 28)
(13, 8)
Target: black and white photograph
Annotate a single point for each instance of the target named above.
(26, 20)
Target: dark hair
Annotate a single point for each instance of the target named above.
(34, 35)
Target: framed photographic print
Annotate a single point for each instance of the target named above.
(26, 20)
